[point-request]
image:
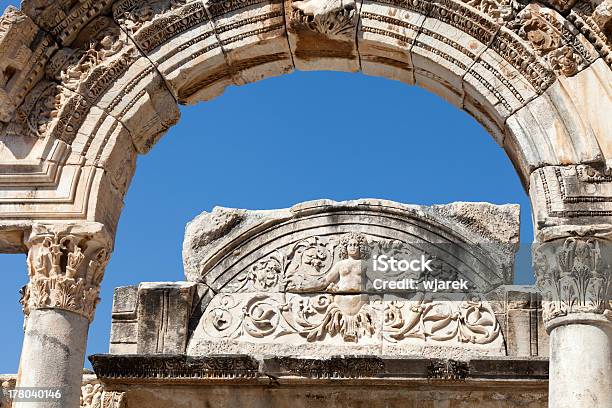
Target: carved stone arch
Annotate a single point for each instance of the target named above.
(87, 85)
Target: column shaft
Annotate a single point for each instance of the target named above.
(53, 356)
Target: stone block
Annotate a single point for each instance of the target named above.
(164, 309)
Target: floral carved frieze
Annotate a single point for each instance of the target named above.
(65, 270)
(261, 318)
(351, 318)
(322, 290)
(575, 276)
(465, 320)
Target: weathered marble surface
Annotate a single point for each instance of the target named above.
(299, 282)
(228, 381)
(85, 86)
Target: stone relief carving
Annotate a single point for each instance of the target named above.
(335, 264)
(441, 320)
(71, 66)
(133, 15)
(171, 366)
(594, 20)
(335, 18)
(64, 274)
(571, 192)
(448, 370)
(574, 276)
(335, 367)
(551, 39)
(93, 395)
(5, 386)
(268, 302)
(502, 11)
(258, 315)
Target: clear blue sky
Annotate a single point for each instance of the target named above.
(272, 144)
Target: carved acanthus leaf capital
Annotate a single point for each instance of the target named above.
(574, 275)
(66, 265)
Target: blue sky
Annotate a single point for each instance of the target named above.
(303, 136)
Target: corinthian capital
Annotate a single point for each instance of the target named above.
(66, 265)
(574, 274)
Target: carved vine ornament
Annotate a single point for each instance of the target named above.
(64, 274)
(269, 301)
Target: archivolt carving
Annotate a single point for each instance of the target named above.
(191, 50)
(552, 39)
(135, 14)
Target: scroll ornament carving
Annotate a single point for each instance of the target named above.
(468, 321)
(338, 266)
(574, 277)
(64, 274)
(334, 18)
(350, 317)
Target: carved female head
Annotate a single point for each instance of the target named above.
(353, 245)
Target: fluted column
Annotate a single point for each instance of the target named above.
(573, 271)
(66, 265)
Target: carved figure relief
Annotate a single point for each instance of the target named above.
(315, 289)
(335, 18)
(72, 65)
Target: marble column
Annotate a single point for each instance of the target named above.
(66, 265)
(575, 277)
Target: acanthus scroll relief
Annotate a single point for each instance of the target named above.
(574, 276)
(64, 274)
(316, 289)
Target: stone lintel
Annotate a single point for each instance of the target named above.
(114, 370)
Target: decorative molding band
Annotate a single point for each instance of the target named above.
(169, 367)
(113, 370)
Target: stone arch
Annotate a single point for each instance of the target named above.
(86, 86)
